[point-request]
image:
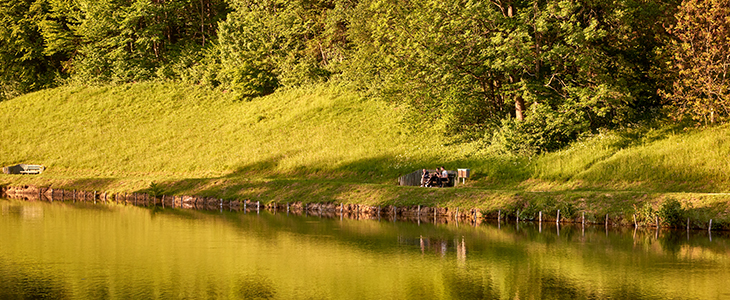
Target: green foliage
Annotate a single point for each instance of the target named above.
(155, 189)
(524, 77)
(671, 213)
(24, 64)
(273, 43)
(543, 130)
(700, 60)
(472, 62)
(645, 214)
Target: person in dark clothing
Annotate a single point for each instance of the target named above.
(435, 178)
(444, 176)
(425, 178)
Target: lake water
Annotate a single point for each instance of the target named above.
(86, 251)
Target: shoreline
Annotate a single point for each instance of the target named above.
(419, 213)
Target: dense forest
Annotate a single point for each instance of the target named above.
(530, 76)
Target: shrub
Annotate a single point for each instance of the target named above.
(672, 213)
(645, 214)
(544, 129)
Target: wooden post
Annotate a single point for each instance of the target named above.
(499, 216)
(709, 227)
(163, 201)
(540, 217)
(635, 225)
(62, 199)
(517, 217)
(557, 221)
(657, 221)
(94, 197)
(258, 206)
(419, 212)
(456, 216)
(687, 224)
(606, 220)
(39, 194)
(583, 218)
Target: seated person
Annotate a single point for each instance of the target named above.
(425, 178)
(444, 176)
(435, 179)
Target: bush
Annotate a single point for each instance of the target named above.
(672, 213)
(645, 214)
(544, 129)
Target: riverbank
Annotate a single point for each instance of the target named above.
(328, 145)
(701, 211)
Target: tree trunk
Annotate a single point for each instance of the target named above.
(519, 103)
(519, 108)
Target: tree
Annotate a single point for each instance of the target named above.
(125, 40)
(24, 65)
(272, 43)
(477, 64)
(701, 60)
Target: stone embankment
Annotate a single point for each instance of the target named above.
(327, 210)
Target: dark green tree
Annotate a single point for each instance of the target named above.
(24, 64)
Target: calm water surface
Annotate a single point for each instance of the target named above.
(85, 251)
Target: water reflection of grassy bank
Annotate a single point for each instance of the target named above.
(329, 145)
(136, 252)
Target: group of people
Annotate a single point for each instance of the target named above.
(437, 178)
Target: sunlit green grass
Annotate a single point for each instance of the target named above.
(169, 130)
(323, 144)
(644, 159)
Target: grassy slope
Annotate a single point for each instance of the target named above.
(325, 144)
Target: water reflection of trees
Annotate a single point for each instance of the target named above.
(30, 283)
(255, 287)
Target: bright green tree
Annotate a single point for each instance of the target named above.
(272, 43)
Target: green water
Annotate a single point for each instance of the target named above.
(86, 251)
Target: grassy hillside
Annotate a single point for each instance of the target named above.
(168, 131)
(328, 144)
